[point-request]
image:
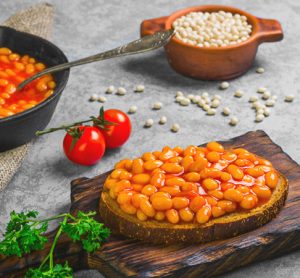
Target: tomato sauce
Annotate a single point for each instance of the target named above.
(14, 69)
(195, 184)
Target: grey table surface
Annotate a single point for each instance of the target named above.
(82, 28)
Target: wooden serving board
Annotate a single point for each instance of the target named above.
(122, 257)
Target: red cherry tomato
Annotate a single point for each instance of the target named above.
(116, 135)
(88, 149)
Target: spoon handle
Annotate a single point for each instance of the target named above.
(144, 44)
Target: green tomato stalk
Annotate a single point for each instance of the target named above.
(72, 128)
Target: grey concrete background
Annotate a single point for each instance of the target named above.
(82, 28)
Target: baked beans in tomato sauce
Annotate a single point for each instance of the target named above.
(15, 68)
(194, 184)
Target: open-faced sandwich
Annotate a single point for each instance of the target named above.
(197, 194)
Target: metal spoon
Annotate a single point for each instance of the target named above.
(144, 44)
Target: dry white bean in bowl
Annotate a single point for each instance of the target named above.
(212, 29)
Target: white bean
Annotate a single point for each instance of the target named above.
(260, 111)
(205, 107)
(102, 99)
(256, 105)
(270, 103)
(253, 99)
(185, 102)
(132, 109)
(260, 70)
(215, 103)
(93, 97)
(175, 128)
(201, 103)
(110, 89)
(195, 99)
(226, 111)
(121, 91)
(289, 98)
(261, 90)
(139, 88)
(266, 95)
(211, 112)
(259, 117)
(157, 106)
(233, 121)
(179, 98)
(179, 94)
(239, 93)
(216, 97)
(149, 123)
(163, 120)
(190, 96)
(224, 85)
(267, 112)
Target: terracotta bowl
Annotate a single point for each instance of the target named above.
(214, 63)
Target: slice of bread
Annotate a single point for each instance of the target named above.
(218, 228)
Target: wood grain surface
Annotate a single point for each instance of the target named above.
(122, 257)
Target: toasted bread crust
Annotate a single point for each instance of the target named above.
(219, 228)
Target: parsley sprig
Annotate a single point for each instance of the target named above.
(25, 233)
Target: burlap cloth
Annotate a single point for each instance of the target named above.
(36, 20)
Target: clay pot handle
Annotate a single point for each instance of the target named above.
(150, 26)
(269, 30)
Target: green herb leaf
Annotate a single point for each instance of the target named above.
(18, 219)
(86, 229)
(23, 236)
(58, 271)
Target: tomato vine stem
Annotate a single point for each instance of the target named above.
(97, 121)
